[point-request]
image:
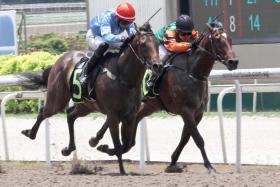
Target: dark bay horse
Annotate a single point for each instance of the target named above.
(183, 90)
(117, 89)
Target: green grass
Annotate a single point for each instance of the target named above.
(226, 114)
(159, 115)
(59, 115)
(249, 114)
(21, 164)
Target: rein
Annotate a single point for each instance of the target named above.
(142, 61)
(147, 64)
(211, 53)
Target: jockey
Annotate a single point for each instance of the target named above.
(104, 33)
(177, 37)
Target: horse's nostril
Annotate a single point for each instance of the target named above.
(233, 61)
(158, 68)
(155, 66)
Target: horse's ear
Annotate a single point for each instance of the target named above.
(149, 27)
(146, 27)
(209, 26)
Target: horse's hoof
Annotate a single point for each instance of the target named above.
(28, 134)
(211, 170)
(174, 169)
(122, 173)
(66, 152)
(103, 148)
(93, 142)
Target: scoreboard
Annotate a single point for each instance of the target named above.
(247, 21)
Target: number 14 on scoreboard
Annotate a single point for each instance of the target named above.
(254, 21)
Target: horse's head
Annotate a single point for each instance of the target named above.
(145, 47)
(219, 44)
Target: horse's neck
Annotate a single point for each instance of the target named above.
(130, 68)
(203, 64)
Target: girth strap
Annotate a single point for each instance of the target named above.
(109, 74)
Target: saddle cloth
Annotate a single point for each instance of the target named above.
(75, 84)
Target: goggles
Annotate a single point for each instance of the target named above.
(185, 33)
(124, 23)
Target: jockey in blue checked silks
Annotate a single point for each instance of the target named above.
(105, 34)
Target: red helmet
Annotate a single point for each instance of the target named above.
(125, 11)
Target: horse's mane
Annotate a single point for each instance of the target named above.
(177, 60)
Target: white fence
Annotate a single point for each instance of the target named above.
(5, 97)
(221, 89)
(238, 88)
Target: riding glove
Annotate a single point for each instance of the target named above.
(123, 38)
(194, 44)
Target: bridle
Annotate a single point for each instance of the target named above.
(213, 53)
(147, 63)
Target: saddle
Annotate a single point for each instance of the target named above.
(155, 90)
(75, 84)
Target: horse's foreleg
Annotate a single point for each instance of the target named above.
(128, 125)
(147, 108)
(113, 123)
(93, 141)
(105, 148)
(190, 120)
(114, 130)
(72, 114)
(200, 144)
(173, 167)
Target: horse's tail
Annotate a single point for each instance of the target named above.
(34, 81)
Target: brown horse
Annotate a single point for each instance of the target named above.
(183, 90)
(116, 90)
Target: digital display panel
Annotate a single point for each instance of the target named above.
(247, 21)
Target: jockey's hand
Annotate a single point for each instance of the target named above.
(123, 38)
(194, 44)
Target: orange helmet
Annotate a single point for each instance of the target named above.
(125, 11)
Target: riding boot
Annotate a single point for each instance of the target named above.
(151, 83)
(90, 65)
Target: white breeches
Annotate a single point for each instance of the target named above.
(163, 53)
(95, 41)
